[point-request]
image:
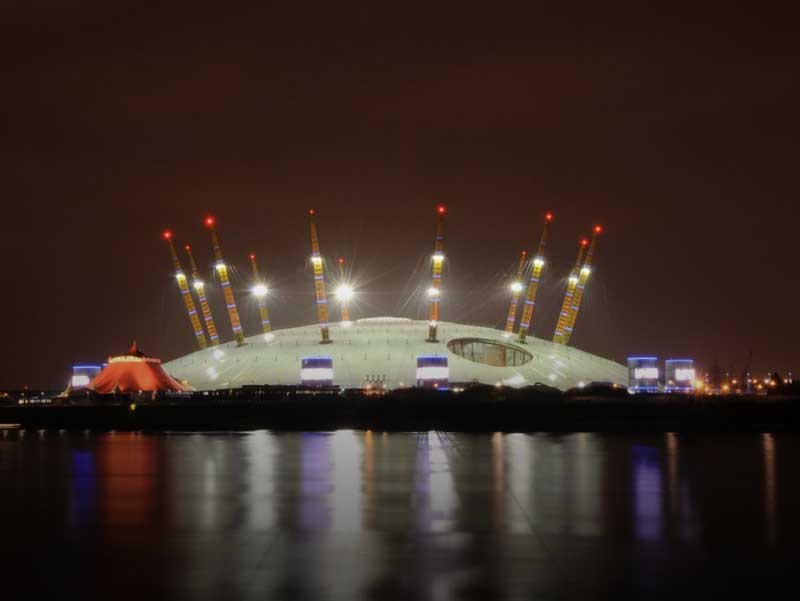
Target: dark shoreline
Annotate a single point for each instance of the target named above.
(421, 410)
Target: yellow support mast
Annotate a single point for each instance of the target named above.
(583, 279)
(516, 290)
(199, 335)
(200, 289)
(343, 292)
(222, 270)
(533, 283)
(260, 292)
(434, 292)
(572, 282)
(319, 282)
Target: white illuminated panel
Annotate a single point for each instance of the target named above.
(684, 374)
(433, 372)
(313, 374)
(80, 380)
(646, 373)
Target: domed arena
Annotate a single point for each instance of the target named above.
(391, 352)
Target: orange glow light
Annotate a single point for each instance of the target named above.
(598, 229)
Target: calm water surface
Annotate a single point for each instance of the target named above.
(364, 515)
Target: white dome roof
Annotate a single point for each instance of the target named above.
(385, 350)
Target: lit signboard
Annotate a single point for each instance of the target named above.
(432, 371)
(645, 373)
(80, 380)
(316, 371)
(684, 374)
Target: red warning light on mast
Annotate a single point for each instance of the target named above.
(188, 247)
(441, 209)
(210, 221)
(312, 212)
(598, 229)
(252, 256)
(584, 242)
(167, 235)
(548, 217)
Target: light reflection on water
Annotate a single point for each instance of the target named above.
(353, 514)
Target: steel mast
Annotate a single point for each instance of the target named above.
(185, 293)
(533, 284)
(434, 292)
(222, 270)
(572, 282)
(516, 289)
(319, 281)
(260, 292)
(583, 279)
(200, 290)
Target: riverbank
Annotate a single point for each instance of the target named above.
(421, 410)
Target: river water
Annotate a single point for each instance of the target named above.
(416, 516)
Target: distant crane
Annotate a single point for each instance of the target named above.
(434, 292)
(185, 293)
(572, 282)
(200, 290)
(222, 270)
(533, 283)
(260, 291)
(583, 279)
(516, 290)
(319, 281)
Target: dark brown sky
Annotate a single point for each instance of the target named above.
(677, 130)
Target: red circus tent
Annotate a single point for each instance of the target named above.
(133, 372)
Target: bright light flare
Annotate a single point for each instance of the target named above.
(198, 284)
(573, 279)
(344, 293)
(438, 257)
(220, 266)
(316, 260)
(433, 292)
(538, 262)
(585, 270)
(516, 287)
(259, 290)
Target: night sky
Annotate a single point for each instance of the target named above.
(677, 131)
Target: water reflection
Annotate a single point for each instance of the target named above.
(647, 492)
(427, 515)
(770, 498)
